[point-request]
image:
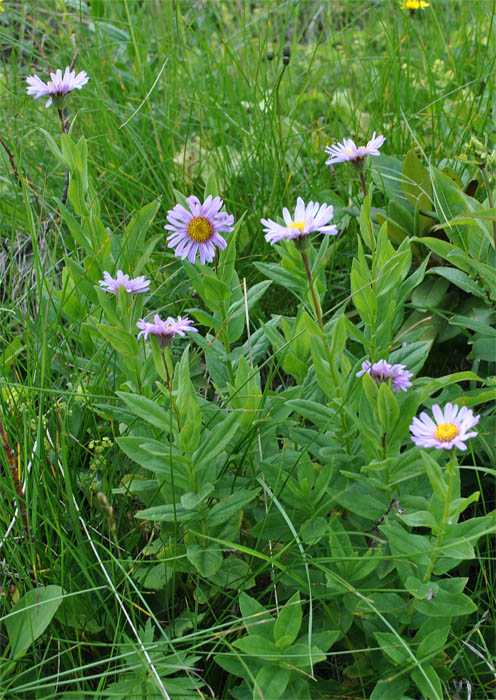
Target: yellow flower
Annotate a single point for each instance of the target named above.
(2, 9)
(413, 4)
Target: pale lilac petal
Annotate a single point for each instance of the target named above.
(453, 420)
(59, 85)
(189, 237)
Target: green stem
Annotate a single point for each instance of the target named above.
(451, 469)
(168, 361)
(363, 182)
(225, 340)
(318, 314)
(490, 200)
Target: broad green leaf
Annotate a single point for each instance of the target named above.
(207, 560)
(167, 514)
(392, 647)
(228, 508)
(459, 279)
(148, 410)
(255, 617)
(288, 623)
(234, 574)
(30, 617)
(70, 154)
(187, 405)
(271, 682)
(387, 408)
(435, 476)
(317, 413)
(134, 234)
(428, 682)
(446, 604)
(282, 277)
(253, 295)
(259, 647)
(121, 340)
(392, 687)
(217, 440)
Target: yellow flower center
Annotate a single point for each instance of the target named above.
(446, 432)
(200, 229)
(300, 225)
(350, 152)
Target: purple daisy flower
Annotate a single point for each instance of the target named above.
(197, 230)
(382, 371)
(307, 218)
(59, 85)
(342, 152)
(450, 429)
(138, 285)
(165, 330)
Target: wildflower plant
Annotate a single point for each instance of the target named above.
(270, 496)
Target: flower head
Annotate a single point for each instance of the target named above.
(59, 85)
(450, 429)
(382, 371)
(132, 286)
(2, 9)
(165, 330)
(196, 230)
(342, 152)
(413, 5)
(307, 218)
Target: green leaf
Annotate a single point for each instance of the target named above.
(217, 439)
(234, 574)
(147, 409)
(448, 251)
(121, 340)
(271, 682)
(446, 604)
(228, 508)
(259, 647)
(387, 408)
(216, 292)
(320, 415)
(431, 686)
(282, 277)
(435, 476)
(415, 181)
(392, 647)
(188, 406)
(288, 623)
(392, 688)
(207, 560)
(30, 617)
(79, 234)
(71, 155)
(459, 279)
(53, 146)
(134, 235)
(255, 617)
(253, 295)
(167, 514)
(433, 643)
(190, 500)
(366, 223)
